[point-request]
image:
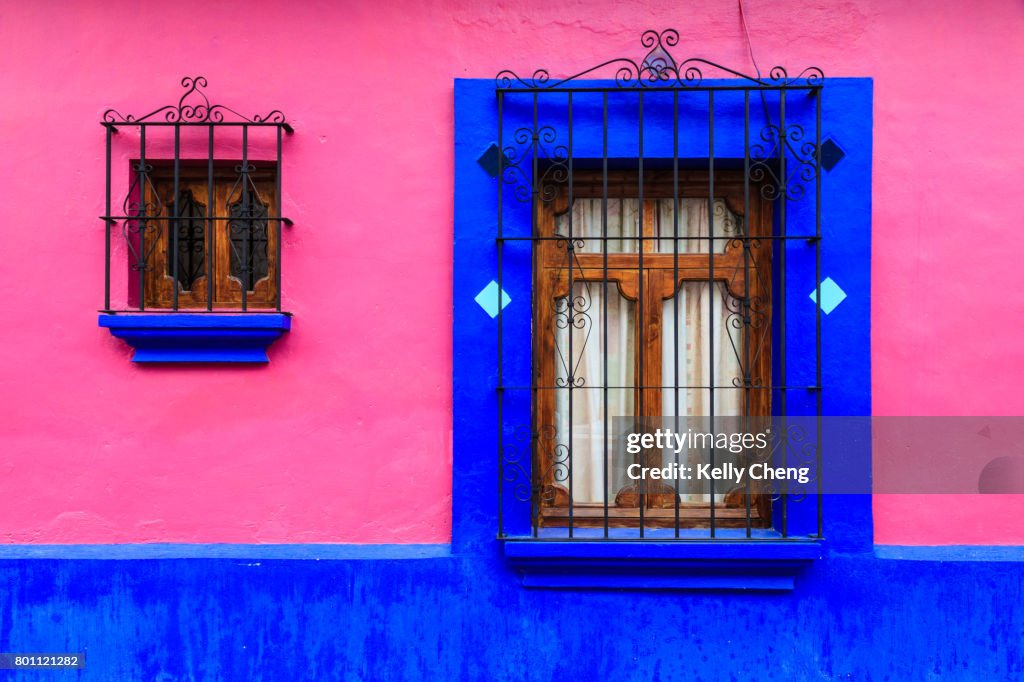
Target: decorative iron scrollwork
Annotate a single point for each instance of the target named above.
(515, 463)
(194, 107)
(189, 214)
(541, 145)
(573, 312)
(790, 445)
(559, 465)
(249, 237)
(801, 167)
(748, 317)
(658, 68)
(143, 208)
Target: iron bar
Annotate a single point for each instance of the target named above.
(766, 387)
(711, 290)
(571, 374)
(280, 232)
(668, 537)
(604, 282)
(747, 379)
(247, 220)
(675, 293)
(200, 124)
(724, 238)
(501, 359)
(174, 218)
(536, 473)
(140, 259)
(642, 276)
(288, 221)
(696, 88)
(210, 225)
(817, 298)
(106, 229)
(783, 198)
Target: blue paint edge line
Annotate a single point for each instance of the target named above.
(305, 552)
(978, 553)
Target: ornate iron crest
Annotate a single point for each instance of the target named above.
(195, 107)
(658, 68)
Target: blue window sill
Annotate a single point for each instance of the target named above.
(198, 337)
(716, 565)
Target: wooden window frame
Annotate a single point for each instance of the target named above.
(227, 289)
(551, 280)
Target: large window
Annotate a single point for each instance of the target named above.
(654, 307)
(665, 218)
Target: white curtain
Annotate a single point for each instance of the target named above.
(624, 224)
(703, 329)
(587, 216)
(693, 222)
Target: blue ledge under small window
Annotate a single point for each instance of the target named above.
(198, 337)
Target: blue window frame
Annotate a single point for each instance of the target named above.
(489, 295)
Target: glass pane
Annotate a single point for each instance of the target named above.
(588, 225)
(191, 239)
(583, 320)
(693, 222)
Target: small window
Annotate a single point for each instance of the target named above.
(192, 231)
(195, 222)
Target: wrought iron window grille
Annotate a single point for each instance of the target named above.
(554, 141)
(187, 229)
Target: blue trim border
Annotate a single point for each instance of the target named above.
(192, 337)
(516, 552)
(948, 553)
(846, 190)
(148, 551)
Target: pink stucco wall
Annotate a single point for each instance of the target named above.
(345, 436)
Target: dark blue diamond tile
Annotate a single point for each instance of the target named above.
(489, 160)
(831, 154)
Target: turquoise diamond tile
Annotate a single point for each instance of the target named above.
(831, 295)
(489, 299)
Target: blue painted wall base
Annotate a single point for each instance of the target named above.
(415, 613)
